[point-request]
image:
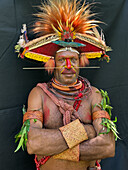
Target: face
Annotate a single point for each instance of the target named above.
(67, 70)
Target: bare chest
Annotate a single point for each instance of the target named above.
(53, 118)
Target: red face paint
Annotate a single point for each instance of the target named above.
(68, 63)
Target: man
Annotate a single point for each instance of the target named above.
(48, 141)
(66, 114)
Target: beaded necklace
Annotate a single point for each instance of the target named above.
(76, 91)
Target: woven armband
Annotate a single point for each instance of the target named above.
(69, 154)
(33, 115)
(74, 133)
(100, 114)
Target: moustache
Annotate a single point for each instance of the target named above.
(68, 71)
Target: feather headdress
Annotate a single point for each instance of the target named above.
(62, 16)
(64, 23)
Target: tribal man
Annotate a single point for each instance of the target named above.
(66, 114)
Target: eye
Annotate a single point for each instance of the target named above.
(74, 59)
(61, 59)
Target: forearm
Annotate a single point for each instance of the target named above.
(66, 155)
(91, 133)
(45, 142)
(98, 148)
(49, 141)
(101, 146)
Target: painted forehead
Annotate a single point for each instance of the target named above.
(67, 54)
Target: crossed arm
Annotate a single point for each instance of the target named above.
(50, 141)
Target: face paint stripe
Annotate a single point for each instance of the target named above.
(74, 69)
(62, 70)
(68, 63)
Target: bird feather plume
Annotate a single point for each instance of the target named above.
(49, 66)
(55, 15)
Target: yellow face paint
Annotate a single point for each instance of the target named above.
(67, 64)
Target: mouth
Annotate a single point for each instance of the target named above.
(66, 71)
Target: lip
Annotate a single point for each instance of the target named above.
(71, 71)
(68, 75)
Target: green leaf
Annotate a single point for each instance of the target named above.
(104, 103)
(109, 107)
(22, 136)
(115, 119)
(102, 92)
(108, 130)
(108, 100)
(110, 125)
(96, 105)
(21, 140)
(35, 120)
(106, 93)
(24, 109)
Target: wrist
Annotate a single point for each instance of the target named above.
(74, 133)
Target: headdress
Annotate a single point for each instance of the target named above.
(63, 25)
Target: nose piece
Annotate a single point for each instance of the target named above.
(68, 63)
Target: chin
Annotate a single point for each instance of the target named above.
(68, 79)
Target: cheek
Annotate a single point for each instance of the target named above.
(76, 67)
(57, 73)
(76, 64)
(60, 66)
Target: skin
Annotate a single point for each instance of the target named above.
(46, 139)
(72, 60)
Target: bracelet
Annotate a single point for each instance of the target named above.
(100, 114)
(74, 133)
(33, 115)
(69, 154)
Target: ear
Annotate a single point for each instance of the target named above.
(83, 60)
(50, 65)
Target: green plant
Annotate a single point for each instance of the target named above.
(109, 124)
(22, 136)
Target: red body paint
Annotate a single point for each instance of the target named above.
(88, 116)
(46, 112)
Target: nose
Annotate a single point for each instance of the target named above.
(68, 63)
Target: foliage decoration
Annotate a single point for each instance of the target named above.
(22, 136)
(109, 124)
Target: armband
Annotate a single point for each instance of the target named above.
(74, 133)
(69, 154)
(33, 115)
(100, 114)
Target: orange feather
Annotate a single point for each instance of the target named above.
(50, 65)
(83, 61)
(54, 12)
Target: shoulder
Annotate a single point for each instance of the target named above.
(95, 95)
(95, 91)
(35, 98)
(37, 91)
(96, 98)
